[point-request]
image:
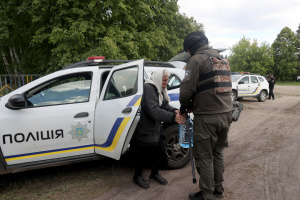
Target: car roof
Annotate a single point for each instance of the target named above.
(112, 63)
(250, 74)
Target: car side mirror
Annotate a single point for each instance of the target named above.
(241, 82)
(16, 102)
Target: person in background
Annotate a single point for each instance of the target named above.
(212, 109)
(271, 82)
(147, 142)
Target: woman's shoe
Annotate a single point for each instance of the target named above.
(159, 179)
(140, 182)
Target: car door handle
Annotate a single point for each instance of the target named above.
(83, 114)
(127, 110)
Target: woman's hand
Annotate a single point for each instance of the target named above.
(179, 119)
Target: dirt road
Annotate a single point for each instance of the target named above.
(262, 162)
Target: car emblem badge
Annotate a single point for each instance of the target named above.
(79, 131)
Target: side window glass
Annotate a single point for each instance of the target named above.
(254, 79)
(261, 79)
(73, 88)
(245, 80)
(173, 82)
(122, 83)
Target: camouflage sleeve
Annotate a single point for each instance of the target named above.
(188, 86)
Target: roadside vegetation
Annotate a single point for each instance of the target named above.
(39, 37)
(281, 58)
(288, 83)
(44, 36)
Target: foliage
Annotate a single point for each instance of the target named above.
(298, 49)
(288, 83)
(285, 56)
(38, 36)
(252, 58)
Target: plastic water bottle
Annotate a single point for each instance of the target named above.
(183, 133)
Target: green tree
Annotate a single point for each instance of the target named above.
(285, 55)
(14, 35)
(298, 49)
(53, 34)
(251, 57)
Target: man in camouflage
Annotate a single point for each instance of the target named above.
(206, 91)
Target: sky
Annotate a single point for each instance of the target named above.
(227, 22)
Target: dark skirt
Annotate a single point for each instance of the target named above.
(148, 155)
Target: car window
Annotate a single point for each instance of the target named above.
(245, 80)
(235, 78)
(122, 83)
(173, 82)
(68, 89)
(253, 79)
(261, 79)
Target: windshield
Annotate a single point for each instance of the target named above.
(235, 78)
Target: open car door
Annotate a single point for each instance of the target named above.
(117, 108)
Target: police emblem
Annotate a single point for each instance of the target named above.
(79, 131)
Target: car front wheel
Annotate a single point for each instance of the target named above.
(262, 96)
(233, 96)
(177, 156)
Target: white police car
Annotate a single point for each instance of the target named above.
(86, 111)
(249, 85)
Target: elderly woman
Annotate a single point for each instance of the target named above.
(147, 142)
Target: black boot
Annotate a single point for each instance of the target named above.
(159, 179)
(197, 196)
(140, 182)
(219, 191)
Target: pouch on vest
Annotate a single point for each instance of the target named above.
(221, 74)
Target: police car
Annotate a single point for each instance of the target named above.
(88, 110)
(249, 85)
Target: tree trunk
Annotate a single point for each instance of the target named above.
(5, 61)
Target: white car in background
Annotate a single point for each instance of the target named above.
(249, 85)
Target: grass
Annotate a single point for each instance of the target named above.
(288, 83)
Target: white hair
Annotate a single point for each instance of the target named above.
(166, 72)
(156, 79)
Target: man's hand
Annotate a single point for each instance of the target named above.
(179, 119)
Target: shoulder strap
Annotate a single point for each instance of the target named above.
(209, 55)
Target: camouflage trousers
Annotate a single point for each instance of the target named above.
(210, 133)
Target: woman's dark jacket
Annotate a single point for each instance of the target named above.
(148, 130)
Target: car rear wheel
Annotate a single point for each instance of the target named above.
(262, 96)
(177, 156)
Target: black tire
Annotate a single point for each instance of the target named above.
(262, 96)
(233, 95)
(3, 169)
(177, 156)
(240, 98)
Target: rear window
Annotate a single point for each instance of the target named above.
(235, 78)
